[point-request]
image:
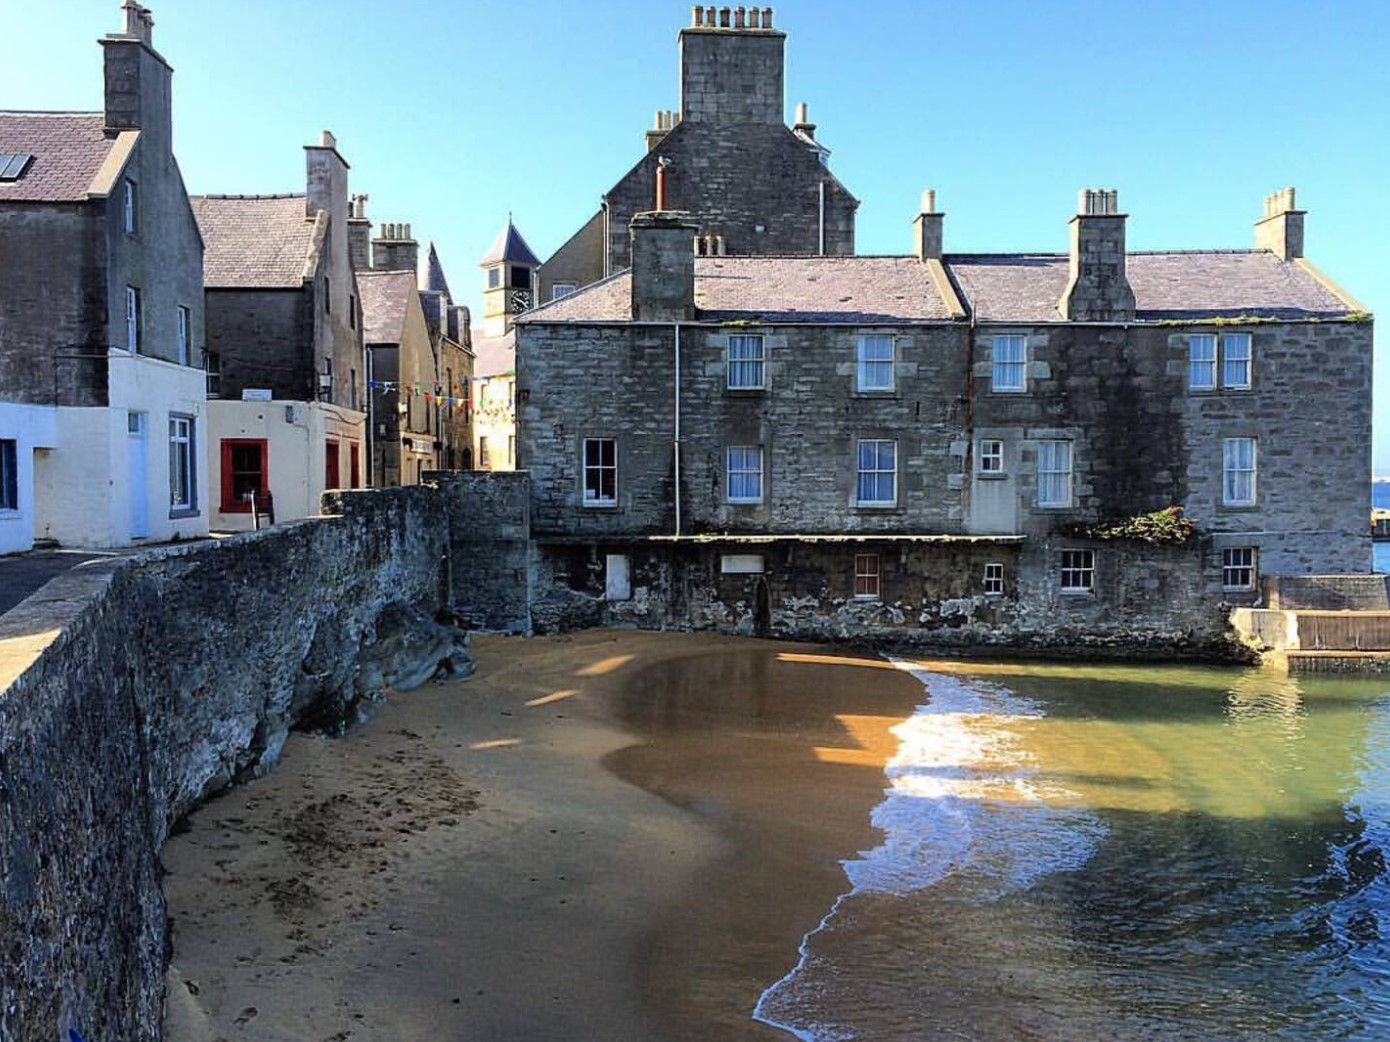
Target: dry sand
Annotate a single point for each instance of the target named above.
(615, 835)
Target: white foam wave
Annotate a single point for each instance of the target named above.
(958, 764)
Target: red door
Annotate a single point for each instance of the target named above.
(354, 463)
(330, 469)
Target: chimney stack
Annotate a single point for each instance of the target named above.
(928, 228)
(395, 249)
(138, 81)
(1097, 288)
(326, 178)
(663, 267)
(1280, 230)
(732, 67)
(359, 235)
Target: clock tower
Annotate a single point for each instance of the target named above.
(509, 280)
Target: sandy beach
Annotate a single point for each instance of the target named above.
(613, 835)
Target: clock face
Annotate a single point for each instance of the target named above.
(521, 299)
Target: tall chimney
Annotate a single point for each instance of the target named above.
(1097, 287)
(326, 178)
(138, 81)
(359, 231)
(928, 228)
(1280, 230)
(732, 73)
(663, 267)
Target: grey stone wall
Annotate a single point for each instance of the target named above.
(264, 338)
(53, 328)
(1148, 600)
(618, 382)
(182, 673)
(758, 185)
(489, 547)
(578, 262)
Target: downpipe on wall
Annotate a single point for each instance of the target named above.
(676, 433)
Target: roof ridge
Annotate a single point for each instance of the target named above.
(51, 112)
(226, 195)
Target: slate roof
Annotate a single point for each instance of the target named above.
(432, 274)
(495, 355)
(511, 247)
(68, 150)
(855, 290)
(253, 241)
(999, 287)
(385, 297)
(1168, 285)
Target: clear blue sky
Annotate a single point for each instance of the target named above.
(454, 113)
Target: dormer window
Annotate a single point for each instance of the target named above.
(130, 208)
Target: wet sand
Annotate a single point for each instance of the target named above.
(615, 835)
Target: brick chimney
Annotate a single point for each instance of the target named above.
(663, 266)
(1097, 288)
(732, 66)
(927, 228)
(359, 235)
(394, 249)
(138, 81)
(1280, 230)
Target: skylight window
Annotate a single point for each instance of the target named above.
(13, 165)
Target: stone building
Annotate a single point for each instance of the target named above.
(286, 379)
(101, 316)
(419, 358)
(509, 280)
(946, 447)
(752, 184)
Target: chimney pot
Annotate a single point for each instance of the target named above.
(327, 140)
(709, 17)
(767, 18)
(802, 112)
(738, 17)
(723, 18)
(695, 16)
(929, 201)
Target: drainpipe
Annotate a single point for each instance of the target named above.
(368, 358)
(969, 418)
(676, 443)
(822, 218)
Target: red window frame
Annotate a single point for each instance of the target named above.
(230, 503)
(332, 464)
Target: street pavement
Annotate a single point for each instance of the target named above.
(22, 574)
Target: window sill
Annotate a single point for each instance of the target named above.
(867, 598)
(1238, 508)
(745, 392)
(991, 475)
(10, 514)
(1008, 390)
(877, 392)
(1077, 593)
(591, 505)
(1058, 508)
(179, 515)
(877, 508)
(744, 502)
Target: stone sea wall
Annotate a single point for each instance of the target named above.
(182, 671)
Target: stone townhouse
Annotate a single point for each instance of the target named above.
(102, 418)
(286, 377)
(419, 361)
(726, 156)
(946, 447)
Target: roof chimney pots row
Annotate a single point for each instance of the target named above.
(1281, 201)
(1098, 202)
(666, 120)
(730, 18)
(397, 232)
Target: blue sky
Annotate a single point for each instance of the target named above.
(454, 113)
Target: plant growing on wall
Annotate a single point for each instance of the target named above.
(1169, 525)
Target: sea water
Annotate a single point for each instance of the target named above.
(1118, 853)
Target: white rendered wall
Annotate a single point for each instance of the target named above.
(32, 427)
(296, 436)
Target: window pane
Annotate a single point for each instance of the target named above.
(1201, 365)
(1008, 370)
(1235, 349)
(745, 362)
(874, 363)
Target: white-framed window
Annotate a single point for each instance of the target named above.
(184, 321)
(484, 460)
(181, 472)
(1078, 571)
(494, 278)
(1201, 362)
(744, 470)
(874, 357)
(991, 456)
(600, 472)
(994, 579)
(562, 289)
(1238, 472)
(866, 577)
(1230, 368)
(741, 564)
(745, 362)
(1009, 363)
(133, 319)
(1054, 473)
(876, 472)
(1235, 361)
(130, 208)
(213, 361)
(9, 474)
(1238, 568)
